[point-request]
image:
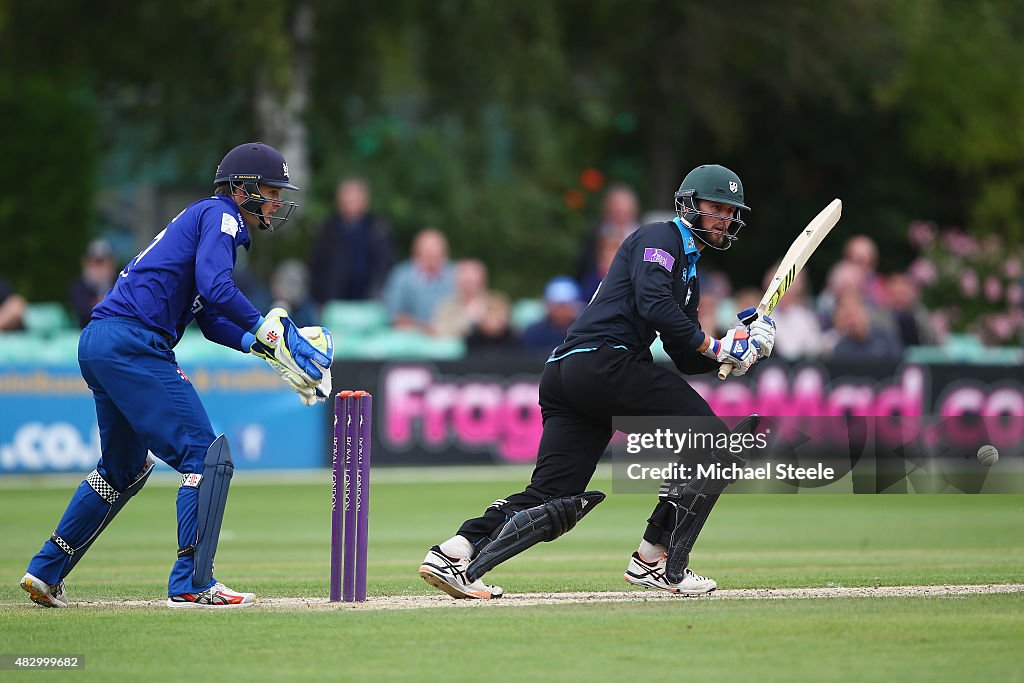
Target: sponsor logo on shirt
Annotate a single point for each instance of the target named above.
(229, 225)
(659, 256)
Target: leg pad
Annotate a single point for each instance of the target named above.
(529, 527)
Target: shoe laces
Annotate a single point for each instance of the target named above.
(696, 576)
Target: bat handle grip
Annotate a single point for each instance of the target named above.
(724, 369)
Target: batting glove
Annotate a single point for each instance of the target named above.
(761, 329)
(735, 348)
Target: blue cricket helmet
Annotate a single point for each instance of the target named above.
(250, 165)
(255, 159)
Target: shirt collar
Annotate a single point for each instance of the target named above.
(689, 241)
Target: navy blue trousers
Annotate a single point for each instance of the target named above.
(144, 402)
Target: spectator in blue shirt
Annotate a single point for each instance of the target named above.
(562, 300)
(417, 287)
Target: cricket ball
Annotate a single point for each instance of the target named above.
(988, 455)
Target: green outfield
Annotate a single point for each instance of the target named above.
(276, 542)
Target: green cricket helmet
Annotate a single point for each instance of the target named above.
(713, 183)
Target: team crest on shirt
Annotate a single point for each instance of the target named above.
(229, 225)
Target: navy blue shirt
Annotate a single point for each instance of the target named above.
(185, 274)
(651, 288)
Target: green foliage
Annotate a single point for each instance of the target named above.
(48, 180)
(958, 88)
(478, 117)
(450, 136)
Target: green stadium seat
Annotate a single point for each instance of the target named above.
(396, 344)
(525, 312)
(404, 344)
(444, 348)
(963, 341)
(18, 348)
(925, 355)
(349, 346)
(354, 317)
(195, 349)
(46, 317)
(964, 348)
(59, 348)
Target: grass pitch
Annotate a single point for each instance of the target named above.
(276, 542)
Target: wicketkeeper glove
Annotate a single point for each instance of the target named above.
(303, 360)
(322, 339)
(310, 396)
(307, 394)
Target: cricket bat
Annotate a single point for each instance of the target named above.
(793, 262)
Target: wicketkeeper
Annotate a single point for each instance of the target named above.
(604, 369)
(145, 402)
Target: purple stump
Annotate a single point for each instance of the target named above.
(348, 577)
(336, 520)
(363, 450)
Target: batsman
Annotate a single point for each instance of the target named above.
(605, 369)
(146, 403)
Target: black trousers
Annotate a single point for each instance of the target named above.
(579, 396)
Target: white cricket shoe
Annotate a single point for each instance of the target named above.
(449, 575)
(652, 575)
(43, 593)
(217, 596)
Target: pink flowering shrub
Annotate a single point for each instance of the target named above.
(970, 285)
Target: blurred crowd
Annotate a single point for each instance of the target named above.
(856, 314)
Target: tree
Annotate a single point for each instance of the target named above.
(958, 91)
